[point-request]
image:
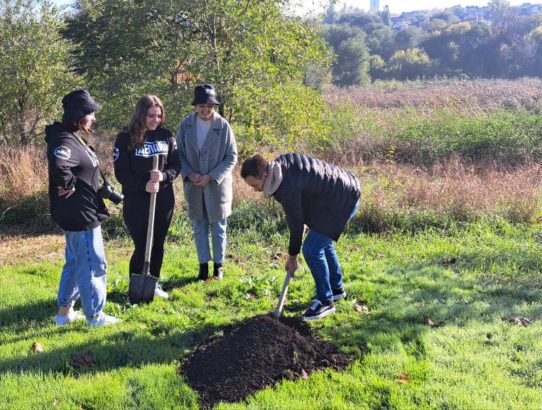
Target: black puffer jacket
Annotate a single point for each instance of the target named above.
(317, 194)
(72, 164)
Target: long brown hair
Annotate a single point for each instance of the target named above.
(136, 126)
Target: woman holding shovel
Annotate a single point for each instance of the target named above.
(136, 146)
(208, 153)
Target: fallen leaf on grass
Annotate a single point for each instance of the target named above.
(277, 256)
(403, 378)
(520, 320)
(433, 323)
(37, 347)
(361, 307)
(304, 374)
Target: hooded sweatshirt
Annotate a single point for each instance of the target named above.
(73, 164)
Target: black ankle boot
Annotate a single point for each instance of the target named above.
(203, 271)
(218, 271)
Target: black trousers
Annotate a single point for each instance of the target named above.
(136, 218)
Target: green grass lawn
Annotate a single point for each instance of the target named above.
(472, 279)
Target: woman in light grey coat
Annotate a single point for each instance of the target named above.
(208, 154)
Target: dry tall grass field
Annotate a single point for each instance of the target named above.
(384, 134)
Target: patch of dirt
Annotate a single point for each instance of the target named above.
(255, 354)
(40, 248)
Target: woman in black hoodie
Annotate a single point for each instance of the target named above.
(143, 138)
(78, 209)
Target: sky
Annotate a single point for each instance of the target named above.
(396, 6)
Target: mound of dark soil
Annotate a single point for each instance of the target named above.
(255, 354)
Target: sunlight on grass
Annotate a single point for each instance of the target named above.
(471, 281)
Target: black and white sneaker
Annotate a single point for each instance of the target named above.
(218, 271)
(203, 271)
(318, 310)
(338, 294)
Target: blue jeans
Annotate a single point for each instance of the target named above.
(201, 228)
(320, 256)
(84, 273)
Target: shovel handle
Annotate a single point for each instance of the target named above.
(283, 293)
(150, 225)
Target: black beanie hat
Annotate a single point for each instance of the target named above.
(205, 94)
(77, 104)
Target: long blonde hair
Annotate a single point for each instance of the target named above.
(136, 126)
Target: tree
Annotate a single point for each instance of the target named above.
(536, 37)
(34, 68)
(134, 47)
(409, 64)
(358, 19)
(351, 66)
(381, 41)
(409, 38)
(435, 25)
(386, 16)
(377, 65)
(500, 12)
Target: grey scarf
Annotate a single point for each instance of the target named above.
(274, 179)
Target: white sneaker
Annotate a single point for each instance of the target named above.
(159, 292)
(63, 320)
(102, 320)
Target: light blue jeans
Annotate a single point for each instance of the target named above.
(201, 228)
(321, 258)
(84, 273)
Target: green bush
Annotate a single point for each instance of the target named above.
(502, 137)
(410, 136)
(284, 117)
(265, 218)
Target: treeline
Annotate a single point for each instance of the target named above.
(367, 48)
(269, 67)
(255, 55)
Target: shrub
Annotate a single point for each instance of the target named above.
(23, 192)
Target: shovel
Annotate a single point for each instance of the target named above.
(143, 285)
(283, 292)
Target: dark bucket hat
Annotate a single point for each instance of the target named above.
(77, 104)
(205, 94)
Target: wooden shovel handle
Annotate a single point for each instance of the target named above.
(283, 293)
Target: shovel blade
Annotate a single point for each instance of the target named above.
(141, 289)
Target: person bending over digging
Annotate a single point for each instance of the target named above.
(317, 194)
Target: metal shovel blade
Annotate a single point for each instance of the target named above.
(142, 286)
(141, 289)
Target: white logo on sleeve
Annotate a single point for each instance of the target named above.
(116, 154)
(62, 152)
(152, 148)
